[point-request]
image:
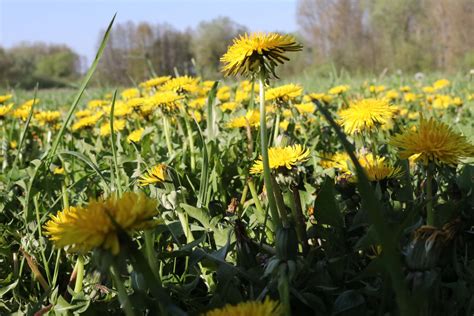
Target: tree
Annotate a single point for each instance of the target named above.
(210, 42)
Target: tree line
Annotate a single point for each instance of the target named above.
(359, 36)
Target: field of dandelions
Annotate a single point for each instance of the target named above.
(248, 196)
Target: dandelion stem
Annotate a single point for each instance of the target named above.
(299, 219)
(122, 292)
(166, 129)
(430, 213)
(150, 253)
(267, 178)
(79, 274)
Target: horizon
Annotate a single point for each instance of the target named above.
(83, 37)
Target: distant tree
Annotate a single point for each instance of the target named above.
(136, 52)
(210, 41)
(411, 35)
(48, 65)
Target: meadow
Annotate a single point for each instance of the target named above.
(248, 196)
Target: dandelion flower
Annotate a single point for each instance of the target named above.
(258, 52)
(377, 168)
(250, 308)
(4, 98)
(339, 89)
(251, 118)
(282, 157)
(284, 93)
(155, 82)
(223, 94)
(131, 93)
(4, 109)
(157, 174)
(306, 108)
(433, 141)
(105, 130)
(135, 136)
(97, 225)
(229, 106)
(87, 121)
(440, 84)
(47, 117)
(181, 85)
(366, 114)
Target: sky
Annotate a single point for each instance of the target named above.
(77, 23)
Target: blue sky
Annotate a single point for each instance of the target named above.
(77, 22)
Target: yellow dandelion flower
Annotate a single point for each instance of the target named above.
(135, 136)
(258, 52)
(410, 97)
(121, 109)
(28, 104)
(136, 103)
(284, 125)
(119, 125)
(4, 110)
(4, 98)
(339, 89)
(433, 141)
(166, 100)
(223, 94)
(242, 95)
(377, 168)
(339, 161)
(21, 113)
(282, 157)
(405, 88)
(326, 98)
(197, 103)
(58, 170)
(87, 121)
(287, 113)
(440, 84)
(458, 101)
(83, 113)
(377, 89)
(306, 108)
(392, 95)
(13, 144)
(442, 101)
(131, 93)
(181, 85)
(47, 117)
(251, 118)
(250, 308)
(229, 106)
(284, 93)
(156, 174)
(154, 82)
(97, 225)
(365, 114)
(92, 104)
(428, 89)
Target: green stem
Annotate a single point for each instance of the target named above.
(280, 202)
(183, 218)
(150, 253)
(299, 219)
(166, 130)
(265, 159)
(38, 225)
(431, 219)
(112, 141)
(121, 290)
(276, 128)
(79, 274)
(260, 211)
